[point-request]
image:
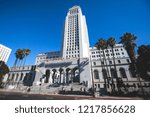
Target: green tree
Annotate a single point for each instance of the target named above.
(143, 61)
(97, 45)
(27, 53)
(21, 54)
(111, 42)
(17, 54)
(128, 41)
(102, 45)
(3, 70)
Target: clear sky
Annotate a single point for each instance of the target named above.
(38, 24)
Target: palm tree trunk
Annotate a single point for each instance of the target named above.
(112, 81)
(21, 62)
(15, 62)
(102, 67)
(115, 67)
(113, 88)
(18, 63)
(24, 61)
(108, 75)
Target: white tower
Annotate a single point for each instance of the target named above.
(75, 39)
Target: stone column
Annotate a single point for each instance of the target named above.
(64, 77)
(50, 77)
(61, 76)
(69, 76)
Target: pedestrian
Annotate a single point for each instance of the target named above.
(28, 89)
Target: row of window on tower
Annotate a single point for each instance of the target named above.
(73, 52)
(74, 11)
(70, 49)
(72, 56)
(72, 37)
(72, 19)
(73, 23)
(73, 44)
(72, 40)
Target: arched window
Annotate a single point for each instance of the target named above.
(8, 76)
(75, 75)
(61, 72)
(96, 75)
(26, 77)
(53, 75)
(17, 77)
(104, 74)
(47, 75)
(113, 73)
(132, 73)
(94, 63)
(123, 73)
(21, 77)
(13, 76)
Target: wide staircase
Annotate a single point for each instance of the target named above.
(46, 88)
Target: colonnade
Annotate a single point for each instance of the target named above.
(61, 76)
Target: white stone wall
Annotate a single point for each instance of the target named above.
(19, 76)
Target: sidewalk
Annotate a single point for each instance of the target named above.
(76, 97)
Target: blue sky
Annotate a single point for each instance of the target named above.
(38, 24)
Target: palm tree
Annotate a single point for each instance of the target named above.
(17, 54)
(21, 55)
(102, 44)
(111, 42)
(3, 70)
(26, 52)
(143, 61)
(128, 41)
(97, 45)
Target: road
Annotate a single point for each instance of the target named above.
(7, 95)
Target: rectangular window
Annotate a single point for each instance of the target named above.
(119, 61)
(110, 62)
(128, 60)
(95, 85)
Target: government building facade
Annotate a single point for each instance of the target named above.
(77, 66)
